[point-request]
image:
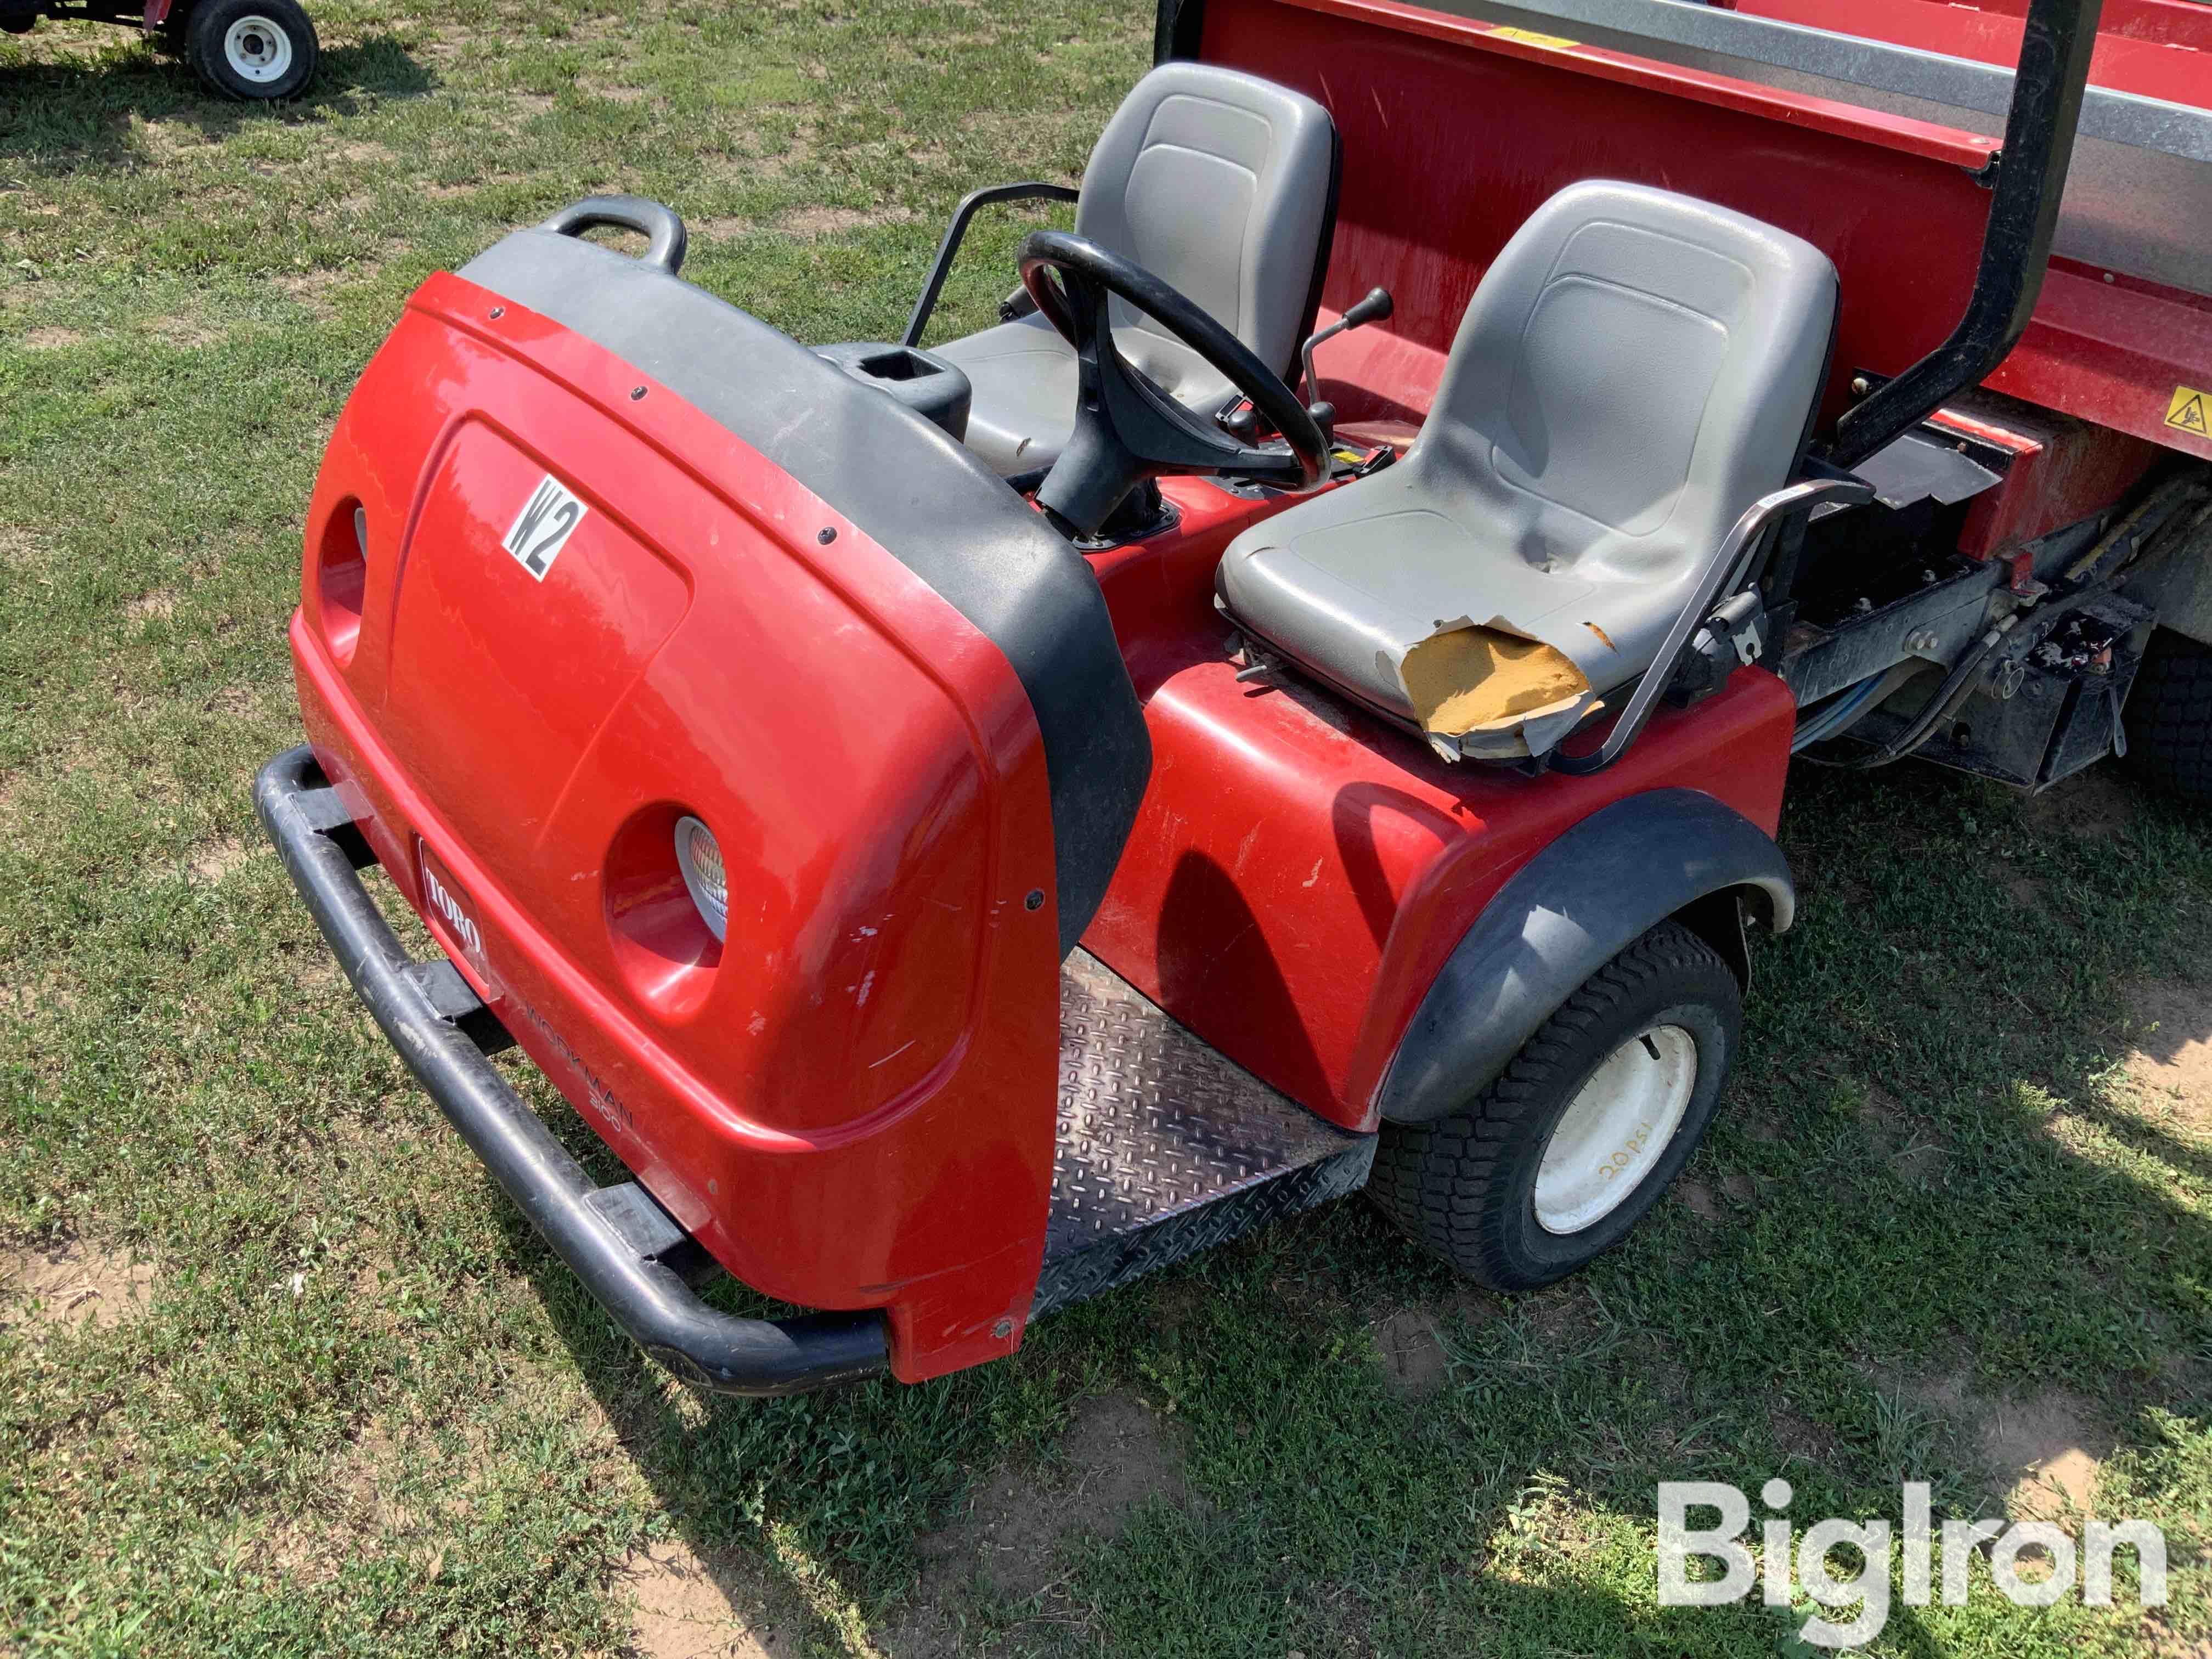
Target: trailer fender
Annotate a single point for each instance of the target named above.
(1563, 915)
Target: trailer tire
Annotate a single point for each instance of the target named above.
(251, 49)
(1466, 1187)
(2169, 716)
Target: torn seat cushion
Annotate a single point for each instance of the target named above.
(1636, 369)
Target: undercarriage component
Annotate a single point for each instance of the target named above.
(2043, 707)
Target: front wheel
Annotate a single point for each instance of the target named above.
(1554, 1162)
(256, 48)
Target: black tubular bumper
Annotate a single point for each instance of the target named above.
(617, 1239)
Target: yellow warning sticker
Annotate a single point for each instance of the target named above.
(2190, 411)
(1530, 37)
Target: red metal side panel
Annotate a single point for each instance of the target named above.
(1454, 134)
(1299, 872)
(1456, 130)
(2124, 354)
(850, 1102)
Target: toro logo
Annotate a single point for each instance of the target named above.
(447, 904)
(549, 517)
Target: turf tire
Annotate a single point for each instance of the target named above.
(1463, 1186)
(207, 34)
(2169, 716)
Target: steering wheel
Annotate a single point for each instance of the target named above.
(1127, 428)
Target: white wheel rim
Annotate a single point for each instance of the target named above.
(256, 50)
(1616, 1128)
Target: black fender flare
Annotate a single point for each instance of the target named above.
(1563, 915)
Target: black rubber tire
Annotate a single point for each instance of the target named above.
(1463, 1186)
(209, 26)
(2169, 716)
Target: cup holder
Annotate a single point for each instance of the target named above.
(923, 382)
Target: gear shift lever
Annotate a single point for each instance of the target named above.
(1372, 309)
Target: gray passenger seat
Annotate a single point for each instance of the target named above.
(1220, 184)
(1636, 369)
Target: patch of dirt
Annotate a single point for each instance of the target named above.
(183, 332)
(312, 289)
(1739, 1187)
(727, 228)
(52, 339)
(158, 605)
(2173, 1052)
(1117, 1454)
(2045, 1449)
(2095, 803)
(1414, 1364)
(817, 221)
(73, 1286)
(1699, 1197)
(212, 863)
(687, 1609)
(19, 549)
(2049, 1446)
(1800, 1436)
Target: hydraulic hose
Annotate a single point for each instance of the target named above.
(1847, 708)
(1948, 695)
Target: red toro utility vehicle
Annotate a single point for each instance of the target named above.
(968, 826)
(249, 49)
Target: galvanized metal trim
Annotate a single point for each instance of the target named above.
(2123, 118)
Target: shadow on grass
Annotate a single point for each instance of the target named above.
(59, 117)
(1809, 1327)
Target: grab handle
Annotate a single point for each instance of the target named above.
(663, 231)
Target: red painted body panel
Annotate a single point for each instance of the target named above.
(1891, 201)
(2062, 471)
(1888, 198)
(1300, 870)
(852, 1102)
(2111, 349)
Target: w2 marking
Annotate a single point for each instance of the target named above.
(542, 529)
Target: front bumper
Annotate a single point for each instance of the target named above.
(630, 1254)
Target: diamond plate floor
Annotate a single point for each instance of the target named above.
(1154, 1125)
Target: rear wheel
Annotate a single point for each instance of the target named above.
(257, 49)
(1553, 1162)
(2169, 716)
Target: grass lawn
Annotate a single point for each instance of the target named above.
(281, 1372)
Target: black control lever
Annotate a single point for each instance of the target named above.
(1372, 309)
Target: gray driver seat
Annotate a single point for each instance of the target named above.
(1636, 369)
(1220, 184)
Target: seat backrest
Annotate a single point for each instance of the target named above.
(1223, 185)
(1636, 368)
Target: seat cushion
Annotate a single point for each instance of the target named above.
(1351, 584)
(1635, 370)
(1023, 377)
(1218, 183)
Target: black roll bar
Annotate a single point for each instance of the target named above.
(2031, 179)
(989, 195)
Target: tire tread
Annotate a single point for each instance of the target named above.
(1433, 1181)
(2169, 716)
